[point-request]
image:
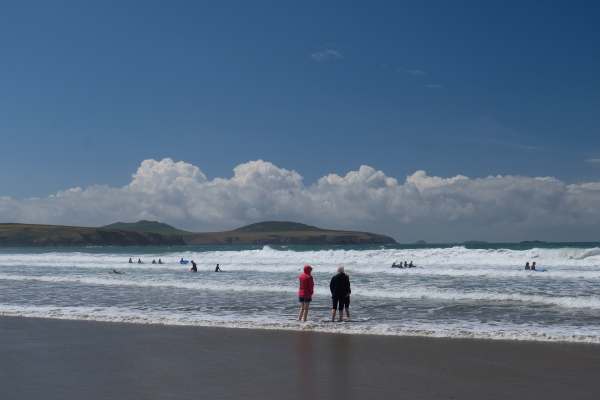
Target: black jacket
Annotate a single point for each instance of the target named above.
(340, 285)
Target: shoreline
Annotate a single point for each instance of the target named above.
(307, 327)
(58, 359)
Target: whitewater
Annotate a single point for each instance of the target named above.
(454, 291)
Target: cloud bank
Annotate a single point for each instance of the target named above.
(421, 206)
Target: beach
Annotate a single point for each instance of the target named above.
(61, 359)
(479, 327)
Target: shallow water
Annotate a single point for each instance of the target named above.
(454, 292)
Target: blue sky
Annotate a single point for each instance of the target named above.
(366, 116)
(88, 91)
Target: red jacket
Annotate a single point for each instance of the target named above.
(306, 283)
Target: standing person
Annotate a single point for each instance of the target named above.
(305, 292)
(194, 267)
(340, 294)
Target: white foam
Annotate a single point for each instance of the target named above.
(424, 293)
(456, 260)
(410, 328)
(469, 277)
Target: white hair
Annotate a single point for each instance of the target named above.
(340, 269)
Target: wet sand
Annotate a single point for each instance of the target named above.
(53, 359)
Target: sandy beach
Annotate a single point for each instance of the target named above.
(58, 359)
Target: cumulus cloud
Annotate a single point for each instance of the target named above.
(327, 55)
(419, 206)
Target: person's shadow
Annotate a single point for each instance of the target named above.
(305, 363)
(322, 364)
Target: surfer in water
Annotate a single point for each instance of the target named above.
(527, 266)
(140, 261)
(194, 267)
(218, 269)
(114, 271)
(411, 265)
(153, 261)
(533, 266)
(160, 261)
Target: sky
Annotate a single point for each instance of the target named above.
(346, 108)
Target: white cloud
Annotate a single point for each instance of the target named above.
(416, 72)
(420, 206)
(593, 160)
(327, 55)
(167, 175)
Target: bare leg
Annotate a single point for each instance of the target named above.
(306, 311)
(333, 314)
(341, 315)
(347, 313)
(301, 312)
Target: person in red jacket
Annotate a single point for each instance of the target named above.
(305, 292)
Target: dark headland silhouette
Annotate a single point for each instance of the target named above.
(157, 233)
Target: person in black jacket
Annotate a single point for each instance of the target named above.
(340, 294)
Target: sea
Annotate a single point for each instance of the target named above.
(456, 291)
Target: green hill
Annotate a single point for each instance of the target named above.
(146, 227)
(277, 226)
(58, 235)
(157, 233)
(286, 232)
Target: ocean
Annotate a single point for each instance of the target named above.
(475, 291)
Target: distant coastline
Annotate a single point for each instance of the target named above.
(154, 233)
